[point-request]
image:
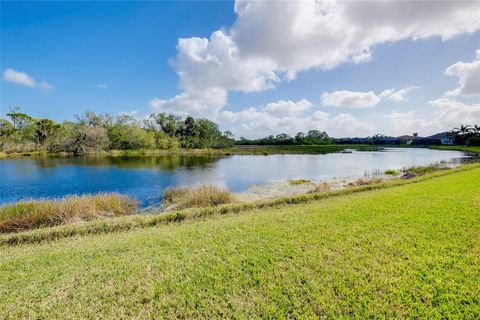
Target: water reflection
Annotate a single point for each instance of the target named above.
(146, 177)
(164, 162)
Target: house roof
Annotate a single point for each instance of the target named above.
(441, 135)
(405, 137)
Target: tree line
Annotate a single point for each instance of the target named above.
(312, 137)
(466, 135)
(100, 132)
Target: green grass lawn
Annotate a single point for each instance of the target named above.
(410, 251)
(459, 148)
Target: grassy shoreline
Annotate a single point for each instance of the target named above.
(411, 251)
(131, 222)
(34, 214)
(473, 150)
(238, 150)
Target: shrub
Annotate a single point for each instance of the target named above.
(473, 141)
(391, 172)
(32, 214)
(321, 187)
(191, 197)
(365, 182)
(298, 181)
(164, 141)
(130, 137)
(421, 170)
(78, 138)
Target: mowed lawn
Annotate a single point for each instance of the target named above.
(410, 252)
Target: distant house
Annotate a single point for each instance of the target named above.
(436, 139)
(355, 140)
(387, 140)
(406, 139)
(443, 137)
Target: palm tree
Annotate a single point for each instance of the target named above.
(464, 129)
(452, 134)
(476, 128)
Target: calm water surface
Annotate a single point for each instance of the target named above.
(144, 178)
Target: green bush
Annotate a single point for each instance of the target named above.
(391, 172)
(78, 139)
(130, 137)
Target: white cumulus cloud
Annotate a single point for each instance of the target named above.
(299, 35)
(201, 103)
(258, 122)
(216, 63)
(397, 95)
(288, 107)
(18, 77)
(350, 99)
(468, 74)
(447, 114)
(23, 79)
(272, 41)
(359, 99)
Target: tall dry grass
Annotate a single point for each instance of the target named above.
(321, 187)
(365, 182)
(421, 170)
(33, 214)
(195, 197)
(298, 182)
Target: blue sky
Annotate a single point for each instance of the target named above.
(125, 57)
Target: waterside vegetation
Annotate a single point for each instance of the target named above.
(331, 255)
(318, 192)
(92, 132)
(178, 198)
(24, 215)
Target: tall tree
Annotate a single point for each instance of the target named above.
(44, 128)
(20, 120)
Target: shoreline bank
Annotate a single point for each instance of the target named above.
(136, 221)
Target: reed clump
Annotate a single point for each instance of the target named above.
(297, 182)
(365, 182)
(391, 172)
(421, 170)
(321, 187)
(195, 197)
(32, 214)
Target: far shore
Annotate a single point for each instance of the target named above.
(239, 150)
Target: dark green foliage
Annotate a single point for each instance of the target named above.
(78, 139)
(312, 137)
(130, 137)
(101, 132)
(466, 135)
(20, 120)
(44, 128)
(6, 128)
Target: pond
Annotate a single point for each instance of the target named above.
(145, 178)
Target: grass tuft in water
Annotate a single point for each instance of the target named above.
(321, 187)
(24, 215)
(366, 182)
(298, 182)
(195, 197)
(391, 172)
(421, 170)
